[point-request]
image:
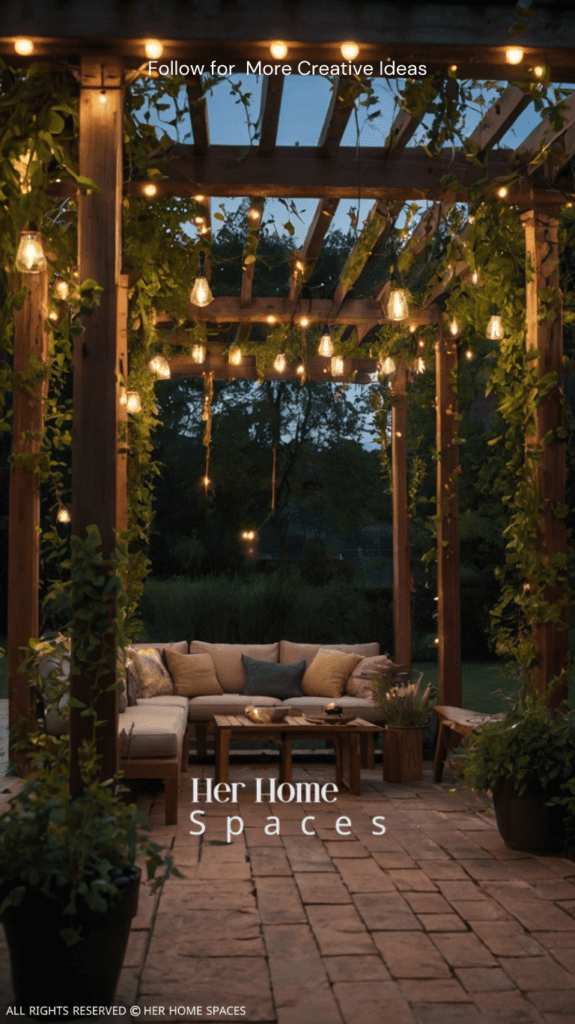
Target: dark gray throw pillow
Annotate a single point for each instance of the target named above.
(268, 679)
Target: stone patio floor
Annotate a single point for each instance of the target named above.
(434, 922)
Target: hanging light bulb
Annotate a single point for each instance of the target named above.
(24, 47)
(63, 514)
(325, 347)
(61, 289)
(278, 49)
(199, 353)
(419, 365)
(159, 366)
(469, 354)
(235, 356)
(454, 328)
(495, 330)
(150, 190)
(475, 277)
(153, 49)
(201, 292)
(397, 308)
(349, 51)
(133, 402)
(30, 258)
(337, 366)
(280, 362)
(514, 54)
(387, 366)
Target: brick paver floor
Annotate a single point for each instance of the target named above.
(432, 921)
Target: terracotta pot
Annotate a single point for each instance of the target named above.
(524, 821)
(402, 755)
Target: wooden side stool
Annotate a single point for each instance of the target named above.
(454, 724)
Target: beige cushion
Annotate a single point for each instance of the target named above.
(193, 675)
(203, 709)
(227, 660)
(328, 673)
(153, 677)
(155, 731)
(365, 678)
(170, 700)
(290, 651)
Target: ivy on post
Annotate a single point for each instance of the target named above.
(548, 585)
(96, 480)
(448, 592)
(401, 549)
(30, 389)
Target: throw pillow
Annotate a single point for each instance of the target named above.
(366, 677)
(266, 679)
(153, 678)
(328, 673)
(194, 675)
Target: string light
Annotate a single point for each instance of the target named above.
(412, 328)
(419, 365)
(454, 328)
(30, 258)
(248, 535)
(150, 190)
(397, 308)
(469, 354)
(235, 356)
(153, 49)
(199, 199)
(503, 192)
(103, 96)
(514, 54)
(349, 51)
(538, 71)
(254, 214)
(133, 402)
(271, 319)
(201, 294)
(160, 366)
(280, 363)
(325, 347)
(388, 366)
(278, 49)
(475, 277)
(337, 366)
(24, 47)
(495, 330)
(61, 289)
(63, 514)
(198, 353)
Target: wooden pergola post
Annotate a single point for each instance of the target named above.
(97, 478)
(30, 342)
(546, 336)
(401, 549)
(448, 591)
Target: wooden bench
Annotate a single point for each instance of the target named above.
(454, 724)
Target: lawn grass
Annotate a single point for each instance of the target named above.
(485, 685)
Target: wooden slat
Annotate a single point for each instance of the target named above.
(497, 120)
(393, 209)
(543, 138)
(199, 116)
(402, 131)
(401, 549)
(272, 89)
(343, 97)
(448, 599)
(317, 231)
(250, 247)
(358, 369)
(30, 344)
(377, 227)
(227, 309)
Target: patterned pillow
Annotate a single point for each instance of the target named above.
(328, 673)
(153, 678)
(366, 677)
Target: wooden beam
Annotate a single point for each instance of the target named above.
(228, 309)
(497, 120)
(272, 90)
(359, 370)
(317, 231)
(95, 473)
(546, 336)
(402, 131)
(393, 209)
(543, 145)
(344, 94)
(378, 226)
(121, 411)
(448, 586)
(30, 347)
(197, 101)
(401, 549)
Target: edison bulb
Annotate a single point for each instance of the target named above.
(514, 54)
(397, 308)
(349, 51)
(337, 366)
(235, 356)
(30, 258)
(133, 402)
(278, 49)
(198, 352)
(201, 292)
(160, 366)
(280, 362)
(153, 49)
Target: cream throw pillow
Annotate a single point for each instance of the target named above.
(194, 675)
(153, 677)
(328, 673)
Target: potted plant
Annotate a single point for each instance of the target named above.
(527, 761)
(69, 882)
(407, 709)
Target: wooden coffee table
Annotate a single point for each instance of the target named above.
(345, 738)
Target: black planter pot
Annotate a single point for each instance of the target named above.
(525, 822)
(47, 972)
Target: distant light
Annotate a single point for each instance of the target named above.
(248, 535)
(337, 366)
(299, 265)
(419, 365)
(475, 277)
(103, 96)
(538, 71)
(349, 51)
(271, 319)
(133, 402)
(63, 515)
(235, 356)
(469, 354)
(412, 328)
(254, 214)
(502, 192)
(150, 190)
(199, 199)
(454, 327)
(154, 49)
(24, 47)
(198, 353)
(453, 67)
(514, 54)
(304, 321)
(388, 366)
(53, 315)
(278, 49)
(280, 362)
(61, 289)
(159, 366)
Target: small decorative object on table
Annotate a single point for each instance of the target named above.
(333, 709)
(407, 709)
(267, 715)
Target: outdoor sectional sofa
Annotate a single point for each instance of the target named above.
(200, 680)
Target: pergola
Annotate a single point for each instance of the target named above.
(100, 45)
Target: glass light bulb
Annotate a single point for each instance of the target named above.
(235, 356)
(160, 366)
(454, 327)
(325, 347)
(388, 365)
(153, 49)
(349, 51)
(133, 402)
(24, 47)
(199, 353)
(304, 321)
(475, 277)
(61, 289)
(514, 54)
(30, 258)
(149, 190)
(337, 366)
(419, 365)
(280, 362)
(397, 308)
(63, 515)
(201, 292)
(278, 49)
(495, 330)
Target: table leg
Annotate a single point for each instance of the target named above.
(285, 757)
(222, 741)
(348, 762)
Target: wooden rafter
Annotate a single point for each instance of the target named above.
(310, 250)
(543, 146)
(272, 90)
(343, 97)
(199, 116)
(378, 226)
(227, 309)
(497, 120)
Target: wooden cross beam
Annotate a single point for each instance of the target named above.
(228, 309)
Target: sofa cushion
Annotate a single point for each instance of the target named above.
(290, 651)
(328, 673)
(227, 659)
(366, 676)
(202, 709)
(193, 675)
(153, 677)
(266, 679)
(156, 731)
(168, 700)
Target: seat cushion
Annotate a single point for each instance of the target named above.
(202, 709)
(266, 679)
(152, 731)
(227, 659)
(168, 700)
(290, 651)
(328, 673)
(193, 675)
